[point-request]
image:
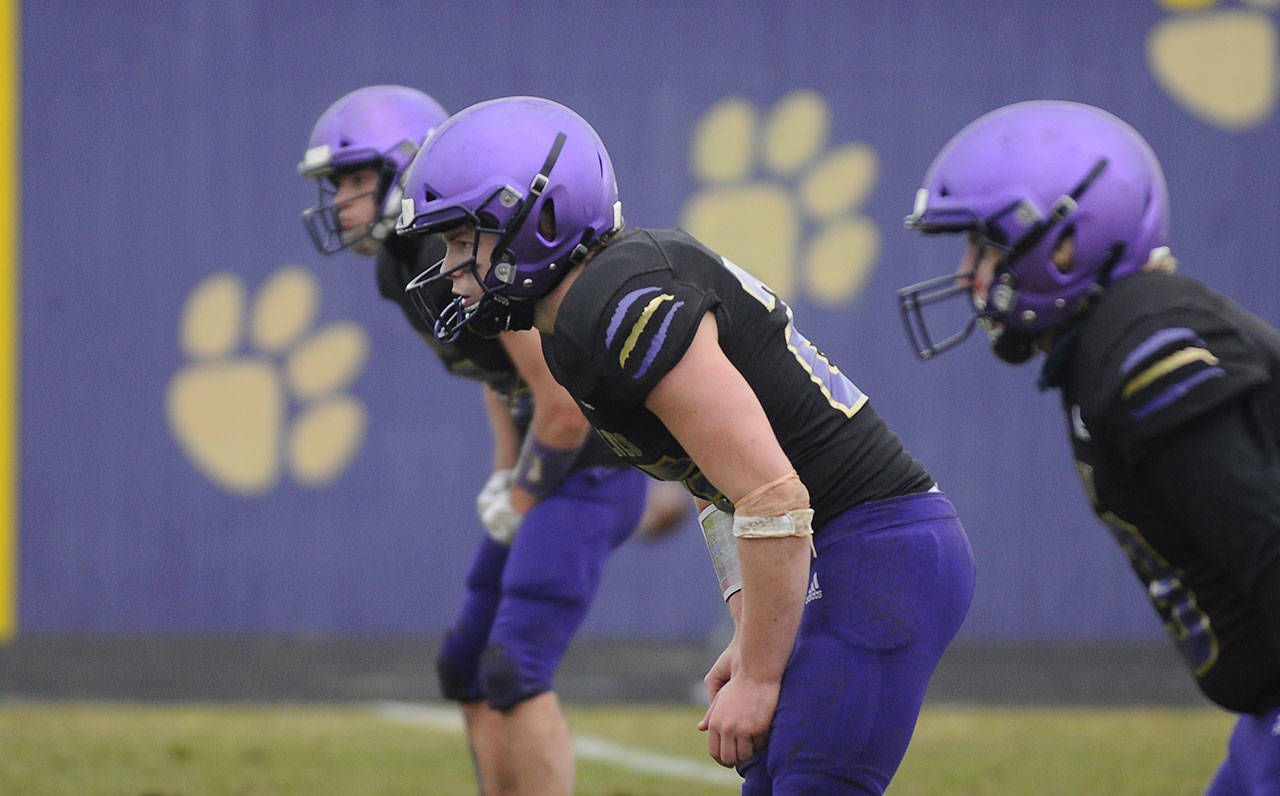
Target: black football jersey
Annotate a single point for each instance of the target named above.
(632, 313)
(469, 356)
(1162, 359)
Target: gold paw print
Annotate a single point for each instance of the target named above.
(230, 411)
(1220, 64)
(778, 202)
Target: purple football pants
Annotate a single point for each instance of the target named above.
(888, 590)
(1252, 766)
(524, 602)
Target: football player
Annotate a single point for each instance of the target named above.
(557, 502)
(844, 566)
(1171, 391)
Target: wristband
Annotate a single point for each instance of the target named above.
(717, 527)
(541, 468)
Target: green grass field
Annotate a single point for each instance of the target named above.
(199, 749)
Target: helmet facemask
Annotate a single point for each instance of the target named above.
(379, 127)
(1043, 173)
(503, 213)
(506, 166)
(448, 315)
(1021, 233)
(322, 219)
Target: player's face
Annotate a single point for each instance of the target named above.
(460, 246)
(354, 199)
(979, 265)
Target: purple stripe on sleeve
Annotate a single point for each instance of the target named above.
(655, 345)
(1176, 391)
(1154, 343)
(621, 310)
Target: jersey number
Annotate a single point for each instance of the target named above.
(1183, 618)
(838, 390)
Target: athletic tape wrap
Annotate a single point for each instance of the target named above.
(797, 522)
(717, 527)
(541, 468)
(778, 508)
(773, 498)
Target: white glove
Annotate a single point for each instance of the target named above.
(493, 507)
(500, 520)
(498, 483)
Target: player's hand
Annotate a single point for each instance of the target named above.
(499, 481)
(493, 504)
(666, 507)
(721, 671)
(738, 721)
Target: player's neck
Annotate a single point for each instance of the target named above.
(548, 307)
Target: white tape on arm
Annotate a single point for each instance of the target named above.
(797, 522)
(717, 527)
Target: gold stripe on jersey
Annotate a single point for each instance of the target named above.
(1166, 366)
(638, 328)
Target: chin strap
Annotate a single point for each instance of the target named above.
(502, 314)
(1057, 365)
(1056, 368)
(503, 264)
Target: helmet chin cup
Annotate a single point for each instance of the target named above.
(1009, 345)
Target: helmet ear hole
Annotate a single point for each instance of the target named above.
(1064, 250)
(547, 221)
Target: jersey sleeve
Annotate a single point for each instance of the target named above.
(1167, 369)
(646, 329)
(629, 332)
(1222, 477)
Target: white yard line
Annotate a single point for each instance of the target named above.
(439, 717)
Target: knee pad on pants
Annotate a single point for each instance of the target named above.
(505, 682)
(457, 673)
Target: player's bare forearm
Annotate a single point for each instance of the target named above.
(745, 683)
(521, 500)
(557, 421)
(775, 575)
(506, 442)
(557, 428)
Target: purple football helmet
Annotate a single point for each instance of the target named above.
(379, 127)
(499, 165)
(1020, 177)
